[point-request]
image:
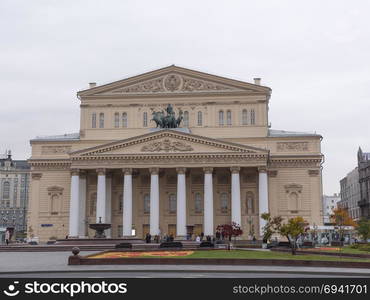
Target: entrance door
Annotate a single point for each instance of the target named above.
(146, 229)
(172, 229)
(198, 229)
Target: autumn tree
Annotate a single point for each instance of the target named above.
(230, 230)
(272, 225)
(341, 219)
(292, 230)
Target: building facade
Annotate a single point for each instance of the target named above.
(329, 204)
(364, 180)
(222, 164)
(14, 183)
(350, 194)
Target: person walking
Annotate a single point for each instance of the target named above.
(7, 237)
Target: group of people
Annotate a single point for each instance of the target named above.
(157, 238)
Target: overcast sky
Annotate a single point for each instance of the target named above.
(315, 55)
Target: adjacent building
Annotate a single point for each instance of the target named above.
(364, 181)
(14, 184)
(224, 163)
(329, 204)
(350, 194)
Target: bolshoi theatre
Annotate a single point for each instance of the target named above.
(219, 162)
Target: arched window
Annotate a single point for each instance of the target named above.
(250, 203)
(124, 120)
(293, 199)
(92, 204)
(221, 118)
(200, 118)
(245, 117)
(54, 203)
(224, 202)
(172, 203)
(253, 117)
(198, 203)
(186, 119)
(6, 190)
(228, 117)
(93, 120)
(145, 119)
(146, 203)
(116, 120)
(101, 120)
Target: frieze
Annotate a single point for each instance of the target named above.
(55, 149)
(173, 83)
(292, 146)
(166, 145)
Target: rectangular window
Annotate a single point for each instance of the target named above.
(93, 120)
(101, 120)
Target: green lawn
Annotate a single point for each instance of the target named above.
(347, 249)
(220, 254)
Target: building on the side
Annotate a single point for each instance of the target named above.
(329, 204)
(350, 194)
(224, 163)
(363, 159)
(14, 183)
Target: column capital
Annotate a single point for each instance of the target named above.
(75, 172)
(154, 171)
(101, 171)
(181, 170)
(208, 170)
(83, 173)
(127, 171)
(235, 170)
(262, 169)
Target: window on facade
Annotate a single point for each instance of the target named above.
(221, 118)
(228, 117)
(6, 190)
(253, 117)
(101, 120)
(124, 120)
(186, 119)
(200, 118)
(244, 117)
(250, 203)
(92, 204)
(198, 203)
(224, 202)
(172, 203)
(93, 120)
(54, 203)
(120, 203)
(116, 120)
(293, 197)
(145, 119)
(146, 204)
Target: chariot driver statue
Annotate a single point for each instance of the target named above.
(168, 121)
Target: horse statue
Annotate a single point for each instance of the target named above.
(157, 117)
(168, 121)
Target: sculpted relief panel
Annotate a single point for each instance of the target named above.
(166, 145)
(173, 83)
(55, 149)
(292, 146)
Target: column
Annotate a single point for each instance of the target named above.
(101, 196)
(108, 203)
(208, 202)
(127, 203)
(263, 200)
(74, 204)
(82, 209)
(181, 203)
(235, 196)
(154, 201)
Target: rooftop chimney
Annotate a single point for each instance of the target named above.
(257, 81)
(92, 85)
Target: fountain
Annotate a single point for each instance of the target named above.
(99, 229)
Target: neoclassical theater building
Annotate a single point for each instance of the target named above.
(223, 164)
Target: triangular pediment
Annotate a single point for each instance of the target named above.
(172, 80)
(164, 142)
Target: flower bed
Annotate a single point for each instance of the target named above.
(123, 254)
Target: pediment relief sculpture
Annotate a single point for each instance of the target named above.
(166, 145)
(173, 83)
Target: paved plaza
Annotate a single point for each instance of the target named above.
(54, 264)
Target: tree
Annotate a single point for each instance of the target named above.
(363, 229)
(341, 219)
(272, 225)
(293, 230)
(230, 230)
